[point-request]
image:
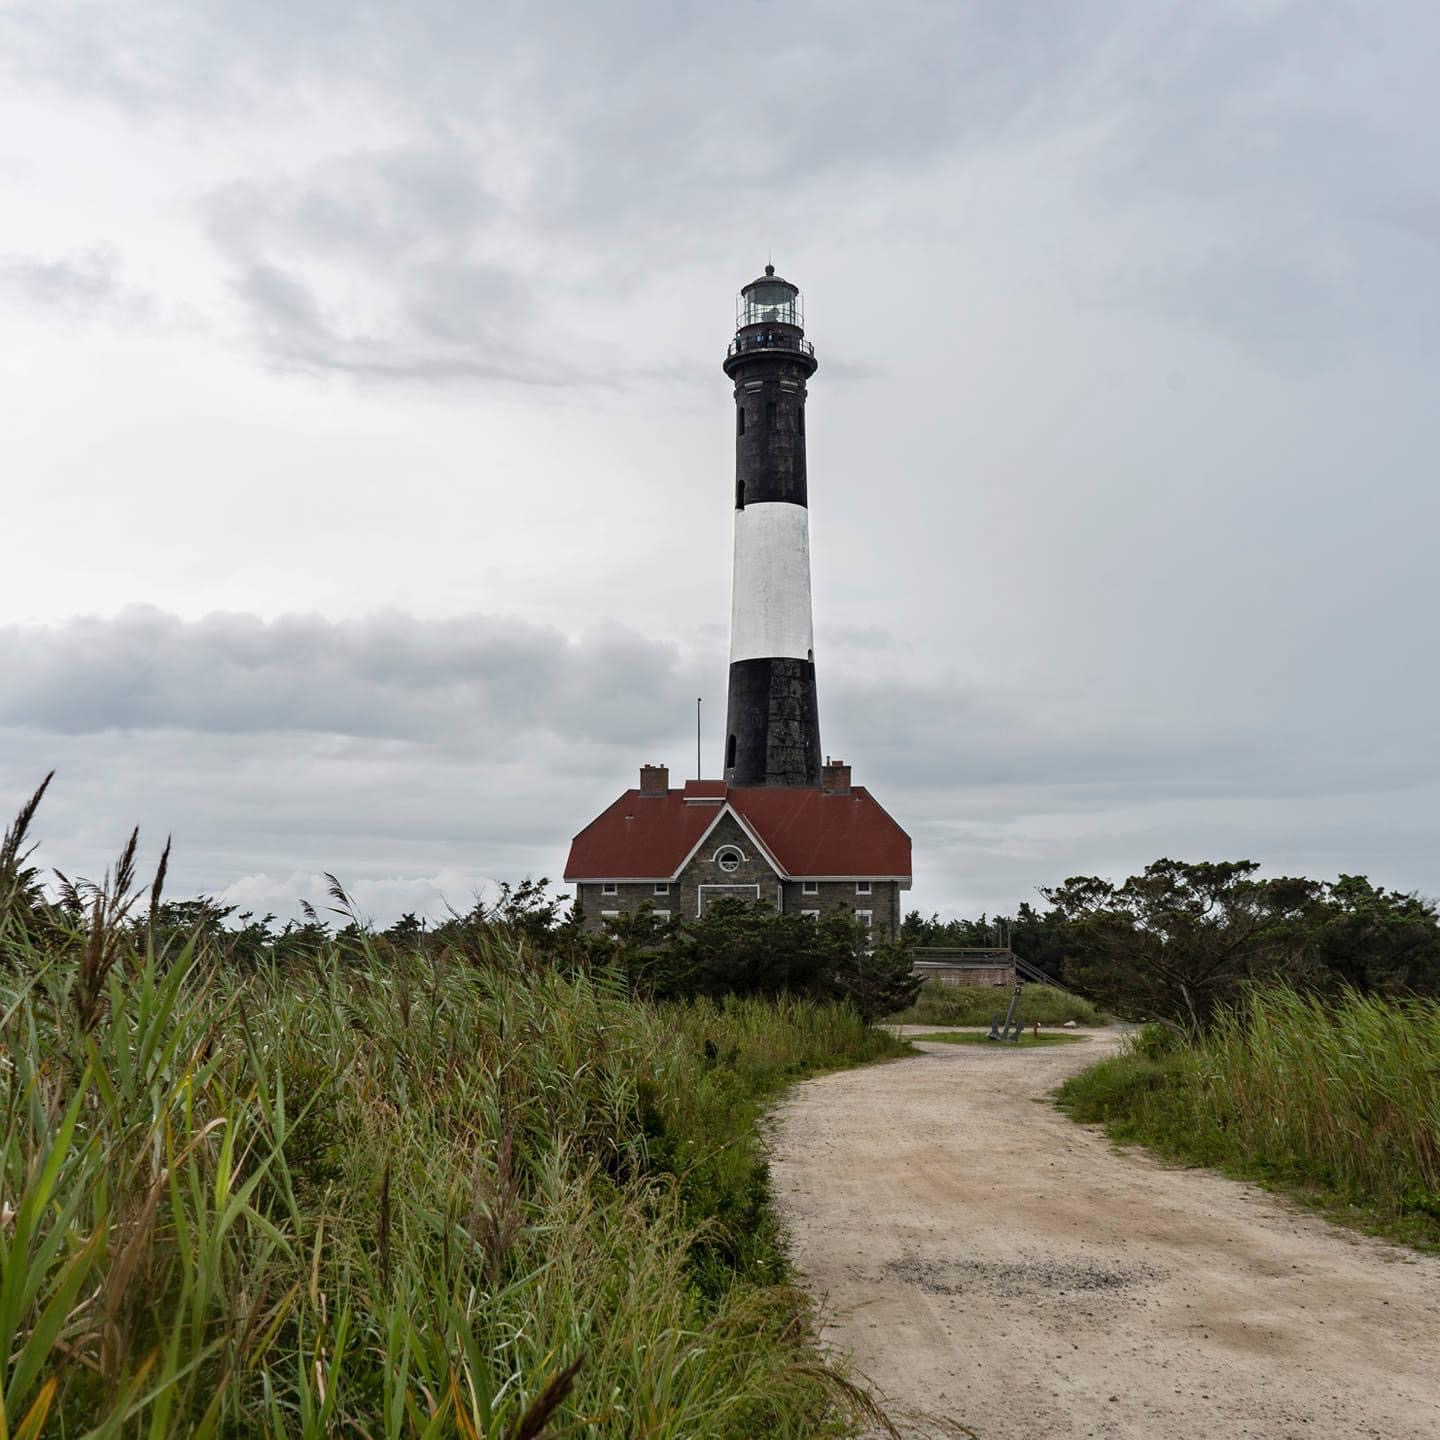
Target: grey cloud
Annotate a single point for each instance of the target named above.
(397, 239)
(89, 284)
(462, 684)
(485, 685)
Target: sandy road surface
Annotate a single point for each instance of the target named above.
(987, 1261)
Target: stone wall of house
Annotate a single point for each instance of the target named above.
(752, 878)
(628, 898)
(883, 902)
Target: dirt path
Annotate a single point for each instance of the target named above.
(989, 1262)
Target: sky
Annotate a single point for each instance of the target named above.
(366, 461)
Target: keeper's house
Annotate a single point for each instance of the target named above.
(801, 849)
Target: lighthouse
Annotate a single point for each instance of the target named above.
(772, 727)
(780, 829)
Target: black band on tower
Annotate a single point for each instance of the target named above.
(770, 440)
(773, 724)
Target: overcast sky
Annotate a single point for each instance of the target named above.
(367, 461)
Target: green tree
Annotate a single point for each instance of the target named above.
(1375, 939)
(1175, 941)
(878, 981)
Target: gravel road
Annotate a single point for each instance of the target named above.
(997, 1270)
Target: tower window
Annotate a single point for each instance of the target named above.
(730, 753)
(739, 494)
(769, 414)
(739, 419)
(800, 419)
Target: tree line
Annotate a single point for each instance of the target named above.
(1181, 939)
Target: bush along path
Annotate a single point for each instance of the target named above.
(1333, 1100)
(426, 1197)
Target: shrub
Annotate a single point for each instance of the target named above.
(941, 1004)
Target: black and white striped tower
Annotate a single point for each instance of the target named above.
(772, 728)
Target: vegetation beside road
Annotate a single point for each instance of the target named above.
(1332, 1099)
(387, 1186)
(1182, 939)
(941, 1004)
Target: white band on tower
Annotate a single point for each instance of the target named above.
(770, 603)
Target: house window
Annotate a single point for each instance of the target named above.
(662, 888)
(809, 887)
(662, 914)
(608, 888)
(609, 914)
(866, 918)
(728, 858)
(810, 914)
(862, 887)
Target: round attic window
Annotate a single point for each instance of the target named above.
(728, 859)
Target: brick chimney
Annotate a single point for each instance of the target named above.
(835, 777)
(654, 780)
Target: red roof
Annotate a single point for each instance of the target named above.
(807, 833)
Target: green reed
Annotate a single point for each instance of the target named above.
(1338, 1095)
(394, 1196)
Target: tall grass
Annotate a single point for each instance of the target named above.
(411, 1197)
(1337, 1096)
(941, 1004)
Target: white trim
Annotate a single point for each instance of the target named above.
(877, 879)
(903, 881)
(728, 809)
(621, 880)
(701, 889)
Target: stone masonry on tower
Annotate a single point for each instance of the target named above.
(780, 828)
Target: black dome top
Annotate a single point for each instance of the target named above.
(769, 278)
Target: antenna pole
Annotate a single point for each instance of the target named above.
(697, 737)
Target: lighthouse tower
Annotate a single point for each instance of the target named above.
(780, 829)
(772, 728)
